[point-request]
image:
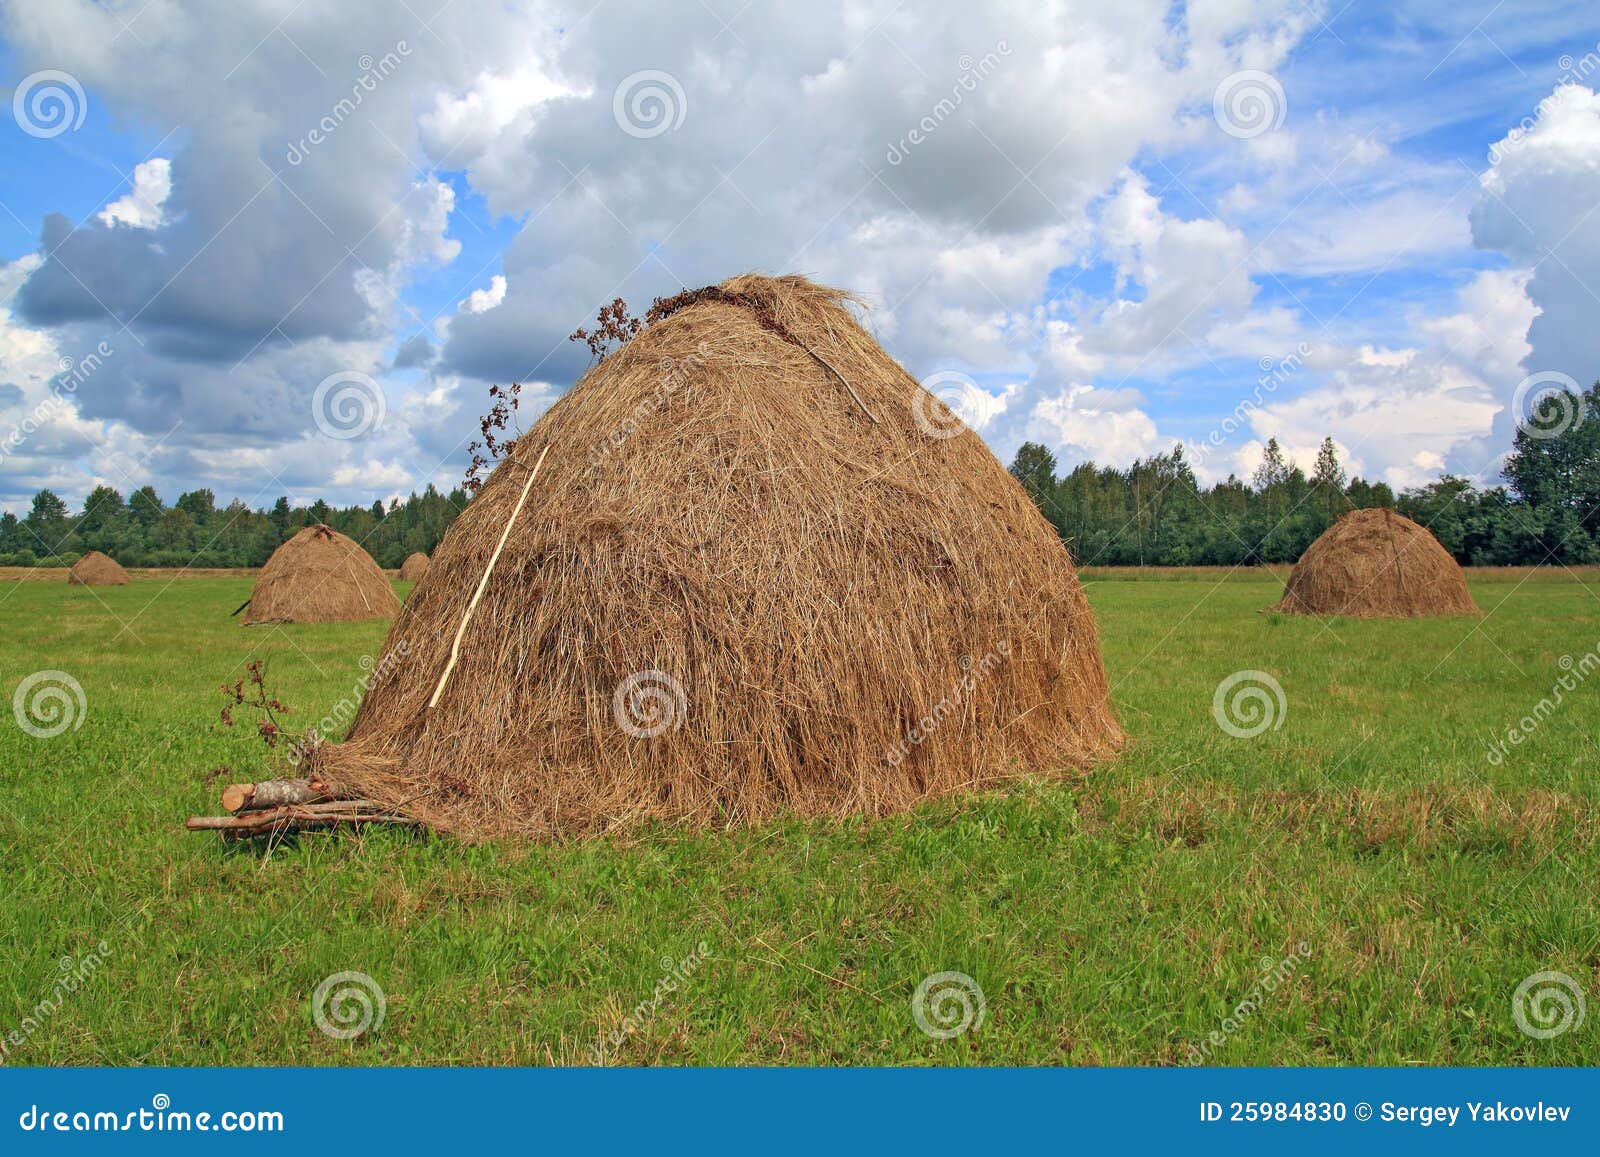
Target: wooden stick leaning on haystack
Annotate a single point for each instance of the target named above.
(280, 806)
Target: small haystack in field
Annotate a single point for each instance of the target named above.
(97, 570)
(320, 576)
(746, 566)
(415, 566)
(1376, 564)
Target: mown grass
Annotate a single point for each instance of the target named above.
(1112, 919)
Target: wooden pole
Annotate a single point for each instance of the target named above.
(296, 816)
(455, 647)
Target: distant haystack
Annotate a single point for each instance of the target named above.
(97, 570)
(414, 568)
(320, 576)
(1376, 564)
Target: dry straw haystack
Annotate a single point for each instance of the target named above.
(1375, 564)
(97, 570)
(320, 576)
(415, 566)
(739, 586)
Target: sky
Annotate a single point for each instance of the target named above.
(284, 248)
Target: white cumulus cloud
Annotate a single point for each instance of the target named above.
(142, 208)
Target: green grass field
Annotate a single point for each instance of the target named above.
(1115, 919)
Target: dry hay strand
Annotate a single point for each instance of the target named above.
(320, 576)
(1376, 564)
(97, 570)
(732, 594)
(415, 566)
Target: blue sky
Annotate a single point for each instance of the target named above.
(1088, 246)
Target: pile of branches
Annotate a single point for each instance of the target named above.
(276, 807)
(279, 806)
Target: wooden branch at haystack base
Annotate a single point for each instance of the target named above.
(297, 815)
(280, 806)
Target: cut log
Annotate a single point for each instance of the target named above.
(272, 793)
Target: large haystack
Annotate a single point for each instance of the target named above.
(97, 570)
(1376, 564)
(320, 576)
(732, 592)
(415, 566)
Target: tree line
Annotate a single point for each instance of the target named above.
(141, 530)
(1153, 513)
(1156, 513)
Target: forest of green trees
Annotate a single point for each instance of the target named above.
(141, 530)
(1153, 513)
(1156, 513)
